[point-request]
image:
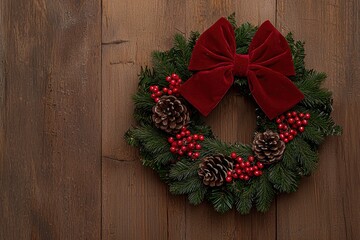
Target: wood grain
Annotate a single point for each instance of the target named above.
(131, 31)
(327, 203)
(50, 168)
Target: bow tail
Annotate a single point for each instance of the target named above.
(205, 89)
(273, 92)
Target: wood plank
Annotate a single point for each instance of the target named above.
(232, 120)
(327, 203)
(138, 28)
(50, 168)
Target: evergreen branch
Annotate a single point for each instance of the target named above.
(184, 169)
(222, 199)
(283, 178)
(215, 146)
(197, 196)
(151, 140)
(245, 193)
(186, 186)
(306, 157)
(298, 53)
(265, 193)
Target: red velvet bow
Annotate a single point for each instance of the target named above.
(266, 66)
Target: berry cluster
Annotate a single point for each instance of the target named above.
(244, 170)
(290, 124)
(173, 89)
(186, 143)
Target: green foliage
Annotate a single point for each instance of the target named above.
(222, 199)
(265, 192)
(300, 157)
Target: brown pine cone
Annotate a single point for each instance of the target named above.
(268, 147)
(213, 169)
(170, 115)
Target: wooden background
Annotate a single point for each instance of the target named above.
(68, 70)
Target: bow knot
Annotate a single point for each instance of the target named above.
(241, 64)
(267, 65)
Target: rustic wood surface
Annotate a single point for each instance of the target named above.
(50, 78)
(67, 74)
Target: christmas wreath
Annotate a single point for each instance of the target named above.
(189, 80)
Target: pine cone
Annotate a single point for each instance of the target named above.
(170, 115)
(213, 169)
(268, 147)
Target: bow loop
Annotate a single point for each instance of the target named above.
(266, 66)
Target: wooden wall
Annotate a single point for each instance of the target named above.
(67, 73)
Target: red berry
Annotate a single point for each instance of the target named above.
(282, 136)
(180, 143)
(301, 129)
(201, 138)
(151, 88)
(257, 173)
(260, 172)
(153, 95)
(189, 139)
(278, 120)
(280, 126)
(170, 139)
(168, 78)
(228, 179)
(260, 165)
(237, 165)
(242, 165)
(229, 173)
(251, 158)
(165, 89)
(251, 169)
(297, 119)
(190, 154)
(292, 132)
(172, 149)
(187, 133)
(307, 116)
(282, 117)
(179, 81)
(191, 145)
(180, 152)
(285, 127)
(184, 149)
(294, 114)
(174, 76)
(178, 136)
(174, 144)
(170, 92)
(291, 137)
(304, 122)
(255, 168)
(196, 137)
(239, 159)
(156, 100)
(234, 175)
(286, 134)
(198, 147)
(233, 155)
(286, 140)
(183, 134)
(183, 129)
(294, 126)
(175, 90)
(291, 120)
(172, 82)
(288, 115)
(247, 164)
(196, 155)
(238, 171)
(246, 177)
(298, 123)
(301, 115)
